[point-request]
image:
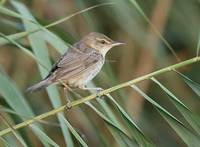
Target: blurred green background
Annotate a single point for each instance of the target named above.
(178, 21)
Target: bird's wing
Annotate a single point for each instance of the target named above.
(73, 63)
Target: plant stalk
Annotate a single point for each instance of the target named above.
(104, 92)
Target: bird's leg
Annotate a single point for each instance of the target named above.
(66, 88)
(97, 89)
(67, 98)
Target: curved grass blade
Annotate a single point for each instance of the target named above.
(137, 133)
(40, 50)
(73, 131)
(105, 107)
(120, 138)
(8, 141)
(185, 134)
(50, 37)
(108, 121)
(4, 41)
(9, 91)
(141, 139)
(56, 42)
(137, 6)
(24, 50)
(23, 34)
(109, 112)
(13, 14)
(5, 142)
(198, 46)
(193, 85)
(117, 131)
(192, 119)
(7, 110)
(18, 137)
(17, 102)
(112, 121)
(43, 136)
(29, 51)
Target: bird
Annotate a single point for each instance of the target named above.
(80, 64)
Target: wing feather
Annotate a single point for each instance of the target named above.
(73, 63)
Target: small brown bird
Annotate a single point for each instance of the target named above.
(80, 64)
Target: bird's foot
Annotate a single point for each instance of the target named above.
(97, 89)
(68, 105)
(98, 95)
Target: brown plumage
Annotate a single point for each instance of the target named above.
(80, 64)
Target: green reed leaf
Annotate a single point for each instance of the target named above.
(141, 139)
(40, 50)
(192, 118)
(193, 85)
(17, 101)
(186, 135)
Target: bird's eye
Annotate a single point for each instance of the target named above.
(103, 42)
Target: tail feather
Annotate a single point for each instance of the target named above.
(38, 86)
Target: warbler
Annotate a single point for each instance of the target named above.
(80, 64)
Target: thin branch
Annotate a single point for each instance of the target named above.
(13, 130)
(5, 110)
(104, 92)
(158, 19)
(155, 29)
(198, 45)
(59, 21)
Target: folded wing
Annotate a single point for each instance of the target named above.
(73, 63)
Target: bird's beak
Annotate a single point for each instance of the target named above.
(115, 43)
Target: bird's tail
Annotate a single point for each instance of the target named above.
(38, 86)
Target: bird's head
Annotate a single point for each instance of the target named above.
(100, 42)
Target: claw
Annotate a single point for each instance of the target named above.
(68, 105)
(98, 93)
(99, 89)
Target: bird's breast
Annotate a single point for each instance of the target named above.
(87, 75)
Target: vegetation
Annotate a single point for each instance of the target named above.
(151, 87)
